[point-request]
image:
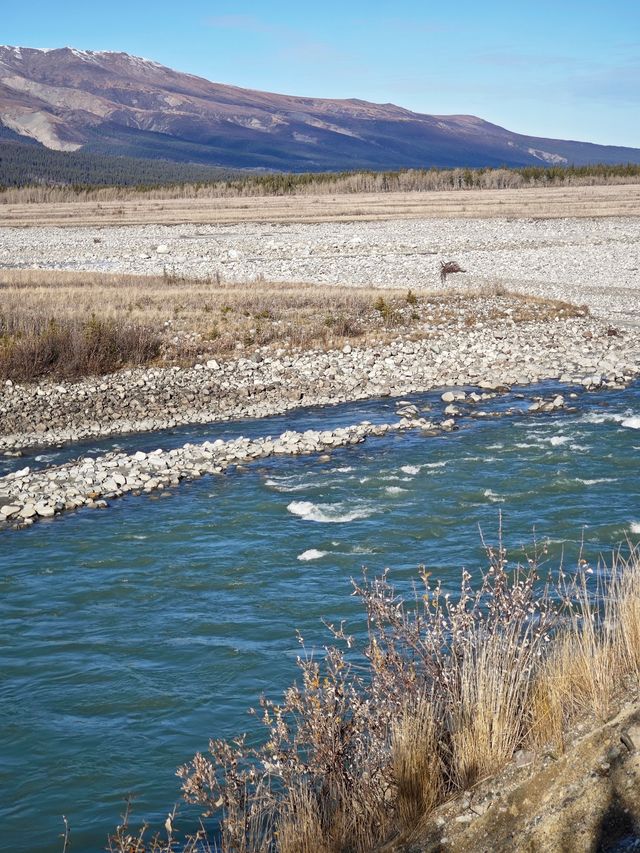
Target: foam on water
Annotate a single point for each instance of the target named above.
(410, 469)
(395, 490)
(224, 566)
(631, 423)
(602, 417)
(596, 480)
(280, 486)
(328, 513)
(312, 554)
(557, 440)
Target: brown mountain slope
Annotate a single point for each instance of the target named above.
(115, 103)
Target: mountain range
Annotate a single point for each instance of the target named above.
(113, 103)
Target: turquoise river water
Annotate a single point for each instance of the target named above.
(132, 635)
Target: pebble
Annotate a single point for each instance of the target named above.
(554, 258)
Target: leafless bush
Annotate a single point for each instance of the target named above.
(44, 328)
(126, 839)
(406, 180)
(443, 700)
(32, 347)
(441, 694)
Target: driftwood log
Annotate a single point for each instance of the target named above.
(447, 267)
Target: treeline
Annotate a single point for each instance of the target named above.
(419, 180)
(35, 174)
(24, 165)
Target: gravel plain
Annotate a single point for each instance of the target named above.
(592, 261)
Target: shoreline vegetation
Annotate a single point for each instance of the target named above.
(491, 343)
(376, 741)
(14, 190)
(453, 708)
(69, 325)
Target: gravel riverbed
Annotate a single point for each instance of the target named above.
(586, 261)
(26, 495)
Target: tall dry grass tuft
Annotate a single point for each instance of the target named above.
(419, 776)
(595, 654)
(441, 694)
(55, 323)
(300, 827)
(365, 752)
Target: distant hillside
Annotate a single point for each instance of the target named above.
(112, 103)
(22, 164)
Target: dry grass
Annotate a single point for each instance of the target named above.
(592, 658)
(36, 346)
(357, 756)
(419, 780)
(540, 203)
(171, 320)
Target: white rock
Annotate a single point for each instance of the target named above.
(9, 509)
(45, 510)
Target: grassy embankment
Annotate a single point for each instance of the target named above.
(69, 324)
(441, 695)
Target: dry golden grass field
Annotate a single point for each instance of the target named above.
(537, 203)
(46, 315)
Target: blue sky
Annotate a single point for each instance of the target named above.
(560, 69)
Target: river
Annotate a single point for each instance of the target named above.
(132, 635)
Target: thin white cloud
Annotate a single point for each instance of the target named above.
(619, 84)
(247, 23)
(514, 59)
(289, 44)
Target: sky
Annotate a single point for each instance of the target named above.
(568, 69)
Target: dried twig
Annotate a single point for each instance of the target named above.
(65, 835)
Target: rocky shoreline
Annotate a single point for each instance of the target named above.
(577, 350)
(26, 496)
(29, 495)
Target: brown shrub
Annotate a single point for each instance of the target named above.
(32, 347)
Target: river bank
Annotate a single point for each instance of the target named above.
(93, 481)
(489, 355)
